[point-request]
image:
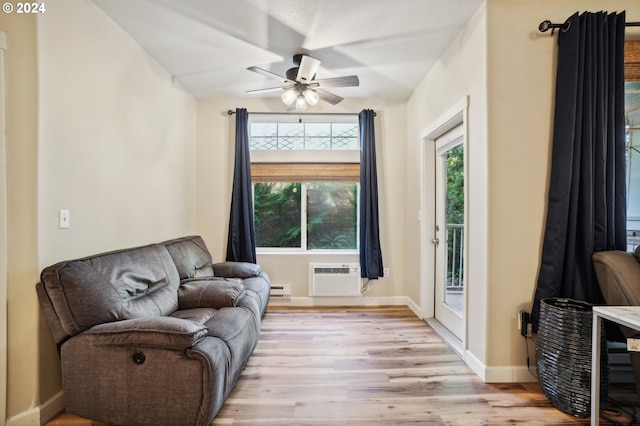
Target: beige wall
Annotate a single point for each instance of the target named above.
(117, 139)
(22, 130)
(97, 127)
(215, 171)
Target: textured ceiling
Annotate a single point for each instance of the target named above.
(207, 45)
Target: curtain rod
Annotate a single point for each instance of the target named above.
(231, 112)
(547, 25)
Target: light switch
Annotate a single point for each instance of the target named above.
(64, 219)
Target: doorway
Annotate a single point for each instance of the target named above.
(449, 231)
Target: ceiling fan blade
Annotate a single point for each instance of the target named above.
(269, 74)
(329, 97)
(268, 89)
(307, 69)
(347, 81)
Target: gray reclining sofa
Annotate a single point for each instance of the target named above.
(153, 335)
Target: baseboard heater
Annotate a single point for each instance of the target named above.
(280, 291)
(334, 279)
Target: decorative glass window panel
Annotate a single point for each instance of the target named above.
(317, 136)
(290, 136)
(304, 136)
(345, 136)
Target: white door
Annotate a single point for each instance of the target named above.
(449, 231)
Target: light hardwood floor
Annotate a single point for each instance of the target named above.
(369, 366)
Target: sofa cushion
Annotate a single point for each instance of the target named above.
(197, 315)
(236, 269)
(132, 283)
(158, 332)
(191, 256)
(209, 293)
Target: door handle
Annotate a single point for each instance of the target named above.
(435, 241)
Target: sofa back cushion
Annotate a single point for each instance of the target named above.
(133, 283)
(191, 256)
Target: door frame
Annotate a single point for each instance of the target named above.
(455, 116)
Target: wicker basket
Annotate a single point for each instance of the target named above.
(563, 355)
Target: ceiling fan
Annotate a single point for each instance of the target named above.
(301, 86)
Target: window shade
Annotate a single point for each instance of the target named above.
(305, 172)
(632, 60)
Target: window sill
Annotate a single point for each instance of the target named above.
(307, 253)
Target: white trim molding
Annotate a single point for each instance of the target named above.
(499, 374)
(3, 235)
(38, 416)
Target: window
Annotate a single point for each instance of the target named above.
(306, 181)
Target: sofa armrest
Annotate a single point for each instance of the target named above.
(236, 269)
(158, 332)
(209, 293)
(618, 275)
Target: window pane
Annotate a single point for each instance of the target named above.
(264, 135)
(290, 136)
(344, 136)
(331, 216)
(317, 136)
(277, 214)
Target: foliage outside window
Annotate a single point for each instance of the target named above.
(330, 222)
(455, 185)
(455, 216)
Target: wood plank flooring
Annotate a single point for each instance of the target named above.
(369, 366)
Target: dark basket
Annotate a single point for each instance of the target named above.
(563, 355)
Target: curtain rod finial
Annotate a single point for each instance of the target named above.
(230, 112)
(547, 25)
(544, 26)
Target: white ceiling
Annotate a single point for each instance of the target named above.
(207, 45)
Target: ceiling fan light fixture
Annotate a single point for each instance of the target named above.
(301, 103)
(289, 96)
(311, 96)
(301, 87)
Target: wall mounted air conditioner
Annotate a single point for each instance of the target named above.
(334, 279)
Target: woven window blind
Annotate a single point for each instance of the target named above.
(632, 60)
(305, 172)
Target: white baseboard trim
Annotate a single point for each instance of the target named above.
(51, 407)
(31, 417)
(503, 374)
(476, 365)
(38, 416)
(509, 374)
